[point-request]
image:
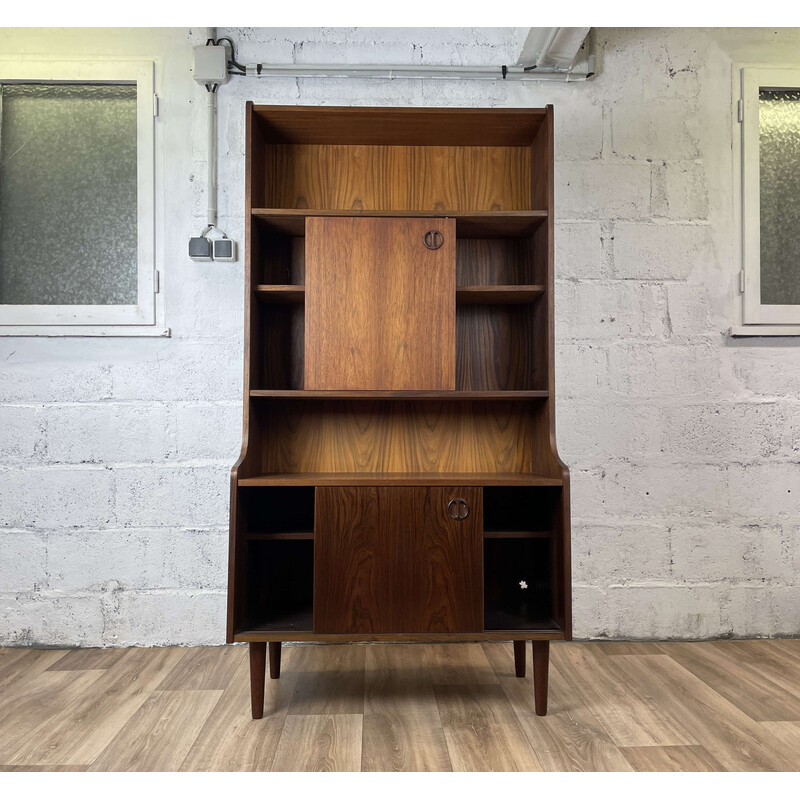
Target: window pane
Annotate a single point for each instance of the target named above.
(779, 122)
(68, 194)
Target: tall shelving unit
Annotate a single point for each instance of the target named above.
(399, 478)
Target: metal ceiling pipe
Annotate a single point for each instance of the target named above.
(394, 71)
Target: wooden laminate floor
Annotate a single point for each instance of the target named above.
(707, 706)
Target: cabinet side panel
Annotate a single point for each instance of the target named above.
(380, 305)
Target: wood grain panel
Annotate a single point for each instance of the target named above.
(281, 258)
(447, 566)
(391, 560)
(388, 178)
(498, 261)
(380, 306)
(283, 346)
(496, 347)
(399, 436)
(360, 568)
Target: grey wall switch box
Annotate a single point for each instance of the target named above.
(210, 64)
(224, 250)
(199, 248)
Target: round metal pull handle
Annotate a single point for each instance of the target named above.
(458, 508)
(433, 240)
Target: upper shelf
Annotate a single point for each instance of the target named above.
(486, 295)
(469, 224)
(383, 394)
(401, 479)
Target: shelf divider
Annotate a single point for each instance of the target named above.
(505, 295)
(400, 479)
(336, 394)
(472, 224)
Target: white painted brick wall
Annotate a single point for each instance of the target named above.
(684, 443)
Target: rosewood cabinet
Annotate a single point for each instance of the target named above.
(399, 478)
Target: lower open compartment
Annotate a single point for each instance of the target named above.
(517, 586)
(280, 585)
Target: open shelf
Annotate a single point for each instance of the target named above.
(400, 479)
(280, 586)
(504, 295)
(471, 224)
(517, 584)
(299, 620)
(321, 394)
(281, 293)
(519, 511)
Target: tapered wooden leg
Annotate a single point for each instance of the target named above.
(274, 659)
(541, 669)
(258, 673)
(519, 658)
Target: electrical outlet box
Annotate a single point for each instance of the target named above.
(199, 248)
(224, 250)
(211, 64)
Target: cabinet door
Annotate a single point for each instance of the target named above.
(398, 560)
(380, 303)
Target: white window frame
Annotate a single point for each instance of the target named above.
(101, 320)
(755, 318)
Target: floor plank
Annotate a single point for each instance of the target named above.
(735, 740)
(733, 676)
(569, 738)
(330, 680)
(482, 731)
(617, 706)
(160, 734)
(320, 743)
(205, 668)
(623, 648)
(677, 758)
(457, 664)
(402, 728)
(231, 741)
(57, 768)
(18, 666)
(81, 730)
(630, 713)
(37, 702)
(90, 658)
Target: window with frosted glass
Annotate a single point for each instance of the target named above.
(68, 205)
(779, 147)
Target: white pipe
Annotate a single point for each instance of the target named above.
(409, 71)
(211, 120)
(211, 138)
(548, 43)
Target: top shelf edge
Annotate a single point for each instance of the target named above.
(469, 224)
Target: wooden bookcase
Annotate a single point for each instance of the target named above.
(399, 478)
